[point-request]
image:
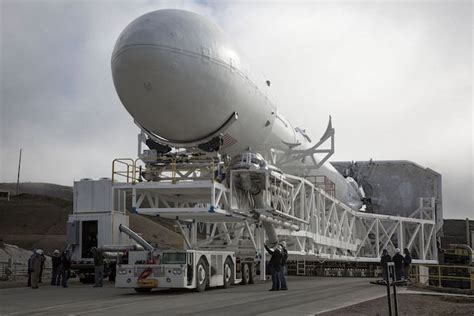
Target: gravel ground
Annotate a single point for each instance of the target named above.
(411, 304)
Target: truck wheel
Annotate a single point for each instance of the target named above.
(201, 275)
(228, 273)
(143, 289)
(253, 273)
(245, 274)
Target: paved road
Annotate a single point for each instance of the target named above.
(307, 296)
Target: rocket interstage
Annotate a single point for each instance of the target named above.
(184, 82)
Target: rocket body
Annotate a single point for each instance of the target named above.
(181, 78)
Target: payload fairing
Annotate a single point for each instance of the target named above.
(185, 84)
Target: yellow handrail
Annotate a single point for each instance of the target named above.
(129, 173)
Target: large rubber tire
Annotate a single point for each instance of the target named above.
(245, 274)
(253, 273)
(201, 275)
(228, 273)
(143, 289)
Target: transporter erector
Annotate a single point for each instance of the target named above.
(227, 168)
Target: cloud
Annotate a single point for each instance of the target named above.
(396, 78)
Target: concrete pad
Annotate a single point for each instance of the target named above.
(306, 296)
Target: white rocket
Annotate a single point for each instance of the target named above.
(183, 81)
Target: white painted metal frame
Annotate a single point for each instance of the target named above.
(314, 224)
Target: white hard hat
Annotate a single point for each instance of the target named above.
(39, 251)
(283, 243)
(397, 250)
(56, 252)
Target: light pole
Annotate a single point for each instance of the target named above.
(18, 177)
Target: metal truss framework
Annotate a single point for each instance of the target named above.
(314, 224)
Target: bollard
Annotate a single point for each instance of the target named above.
(387, 277)
(391, 273)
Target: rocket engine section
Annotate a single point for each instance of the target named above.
(251, 182)
(186, 85)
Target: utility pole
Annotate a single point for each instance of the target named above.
(18, 177)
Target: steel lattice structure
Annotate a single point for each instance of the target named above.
(315, 225)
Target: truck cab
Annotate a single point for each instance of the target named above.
(191, 269)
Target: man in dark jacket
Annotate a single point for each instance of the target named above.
(55, 273)
(275, 266)
(65, 267)
(398, 261)
(98, 267)
(30, 268)
(284, 269)
(406, 264)
(43, 261)
(383, 261)
(36, 267)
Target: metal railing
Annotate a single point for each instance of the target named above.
(16, 270)
(168, 169)
(129, 170)
(444, 276)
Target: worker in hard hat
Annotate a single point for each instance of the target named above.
(98, 267)
(284, 268)
(398, 260)
(30, 268)
(55, 273)
(36, 267)
(275, 266)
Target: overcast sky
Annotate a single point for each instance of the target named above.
(395, 76)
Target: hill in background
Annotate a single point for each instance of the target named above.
(37, 219)
(46, 189)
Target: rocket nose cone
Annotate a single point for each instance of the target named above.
(164, 78)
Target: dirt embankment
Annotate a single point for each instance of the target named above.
(38, 188)
(37, 221)
(34, 221)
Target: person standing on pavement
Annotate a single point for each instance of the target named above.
(98, 267)
(65, 267)
(406, 264)
(383, 261)
(275, 266)
(36, 268)
(284, 267)
(398, 261)
(43, 260)
(56, 264)
(30, 268)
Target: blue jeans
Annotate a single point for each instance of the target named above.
(283, 271)
(99, 275)
(55, 277)
(276, 279)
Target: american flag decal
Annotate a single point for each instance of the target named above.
(228, 140)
